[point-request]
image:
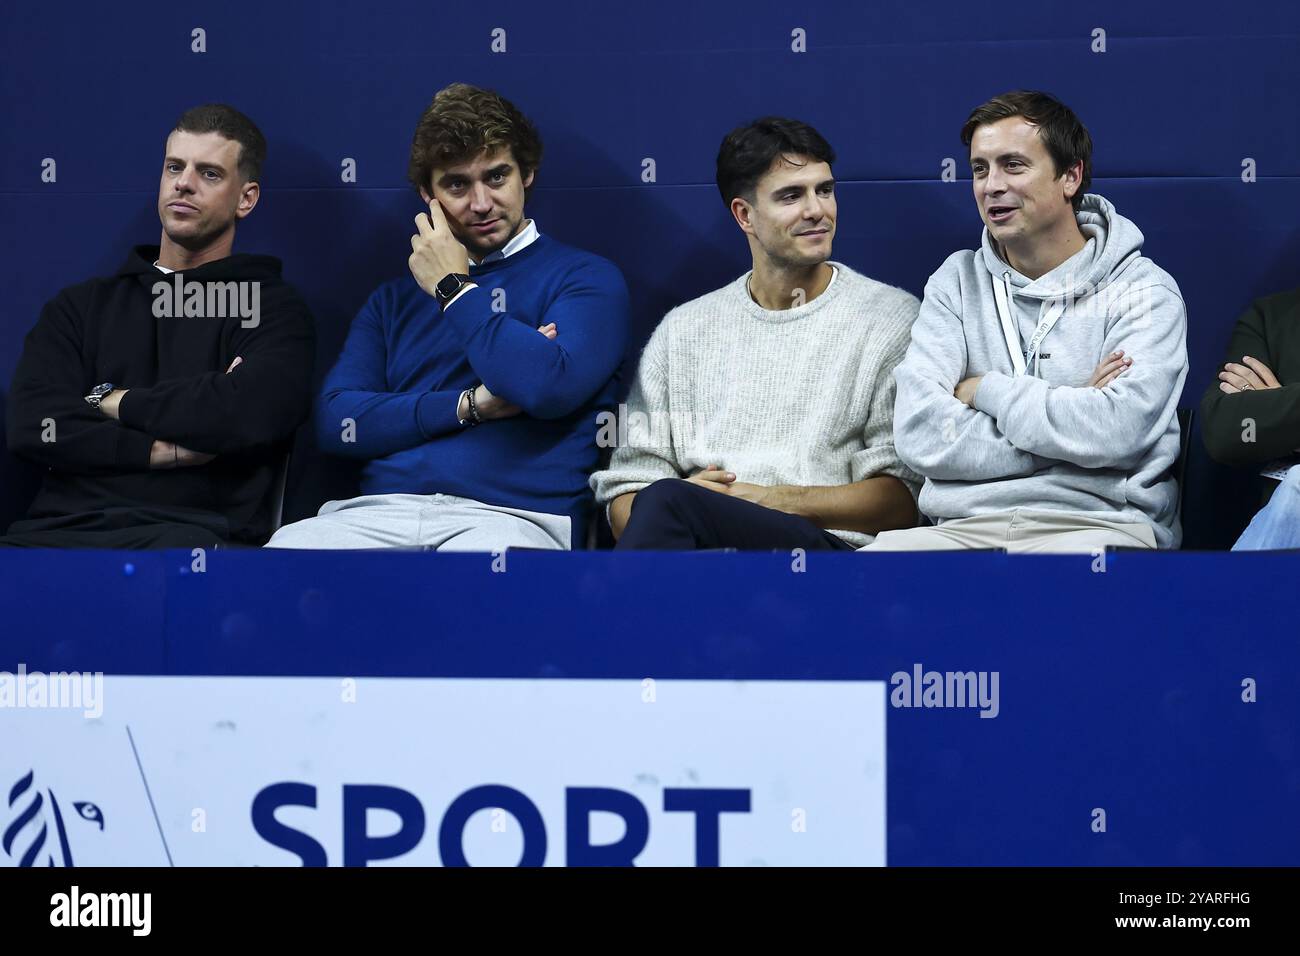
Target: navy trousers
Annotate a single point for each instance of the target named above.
(676, 515)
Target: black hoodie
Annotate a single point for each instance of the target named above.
(106, 330)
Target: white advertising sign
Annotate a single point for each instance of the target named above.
(233, 771)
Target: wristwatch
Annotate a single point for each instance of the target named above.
(449, 285)
(96, 396)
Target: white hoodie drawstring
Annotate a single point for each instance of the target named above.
(1002, 296)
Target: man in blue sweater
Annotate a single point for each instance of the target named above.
(471, 387)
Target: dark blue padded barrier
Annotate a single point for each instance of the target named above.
(1120, 689)
(1181, 96)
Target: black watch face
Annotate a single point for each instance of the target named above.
(448, 286)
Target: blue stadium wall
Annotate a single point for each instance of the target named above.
(1178, 97)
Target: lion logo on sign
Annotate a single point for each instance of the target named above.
(28, 839)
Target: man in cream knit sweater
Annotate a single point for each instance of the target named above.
(761, 416)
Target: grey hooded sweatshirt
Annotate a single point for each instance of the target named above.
(1039, 436)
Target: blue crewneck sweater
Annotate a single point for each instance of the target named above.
(405, 363)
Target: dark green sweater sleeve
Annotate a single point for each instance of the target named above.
(1253, 427)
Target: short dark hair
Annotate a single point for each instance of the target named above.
(748, 151)
(464, 121)
(233, 125)
(1066, 138)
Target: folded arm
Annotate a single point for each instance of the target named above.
(48, 421)
(547, 378)
(936, 434)
(358, 417)
(257, 404)
(1111, 427)
(1253, 426)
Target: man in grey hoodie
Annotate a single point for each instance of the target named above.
(1039, 394)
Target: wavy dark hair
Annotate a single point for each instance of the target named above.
(748, 151)
(462, 122)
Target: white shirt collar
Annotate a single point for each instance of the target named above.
(525, 238)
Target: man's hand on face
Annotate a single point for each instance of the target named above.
(966, 389)
(1252, 375)
(435, 251)
(1110, 369)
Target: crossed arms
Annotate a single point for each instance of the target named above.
(1248, 416)
(546, 375)
(258, 400)
(948, 426)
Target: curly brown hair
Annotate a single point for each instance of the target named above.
(462, 122)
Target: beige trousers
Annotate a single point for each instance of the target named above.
(1022, 531)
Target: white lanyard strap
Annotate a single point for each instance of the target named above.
(1021, 360)
(1054, 312)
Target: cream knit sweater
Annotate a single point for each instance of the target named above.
(803, 396)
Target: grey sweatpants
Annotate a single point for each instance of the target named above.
(1023, 531)
(424, 522)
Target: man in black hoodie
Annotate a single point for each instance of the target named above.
(162, 399)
